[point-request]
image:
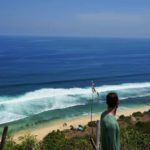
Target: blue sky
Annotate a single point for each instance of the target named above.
(102, 18)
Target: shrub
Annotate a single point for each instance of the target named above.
(143, 127)
(127, 120)
(10, 144)
(137, 114)
(54, 141)
(28, 142)
(78, 143)
(122, 117)
(134, 138)
(92, 124)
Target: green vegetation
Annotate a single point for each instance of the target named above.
(78, 143)
(54, 140)
(137, 114)
(136, 138)
(126, 120)
(27, 142)
(92, 124)
(135, 135)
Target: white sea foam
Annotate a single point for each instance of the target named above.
(142, 95)
(6, 117)
(124, 86)
(49, 99)
(122, 108)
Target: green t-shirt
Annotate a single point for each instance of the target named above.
(110, 132)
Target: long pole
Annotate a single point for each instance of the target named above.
(98, 135)
(92, 111)
(91, 108)
(3, 137)
(96, 145)
(93, 90)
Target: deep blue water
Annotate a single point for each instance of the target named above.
(47, 74)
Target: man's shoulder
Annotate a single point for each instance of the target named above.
(103, 114)
(106, 116)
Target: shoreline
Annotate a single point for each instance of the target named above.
(42, 131)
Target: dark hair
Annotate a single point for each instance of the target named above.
(112, 100)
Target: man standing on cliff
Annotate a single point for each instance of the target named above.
(110, 131)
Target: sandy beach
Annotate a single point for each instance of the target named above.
(83, 120)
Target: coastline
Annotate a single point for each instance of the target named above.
(42, 131)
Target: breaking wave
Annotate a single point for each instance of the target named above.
(38, 101)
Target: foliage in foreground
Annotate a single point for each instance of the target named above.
(133, 137)
(56, 140)
(27, 142)
(136, 137)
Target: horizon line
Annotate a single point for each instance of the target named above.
(72, 36)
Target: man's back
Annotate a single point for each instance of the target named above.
(110, 132)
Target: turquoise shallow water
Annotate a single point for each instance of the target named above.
(45, 118)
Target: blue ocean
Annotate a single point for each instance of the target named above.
(48, 78)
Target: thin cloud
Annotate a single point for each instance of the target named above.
(114, 18)
(117, 24)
